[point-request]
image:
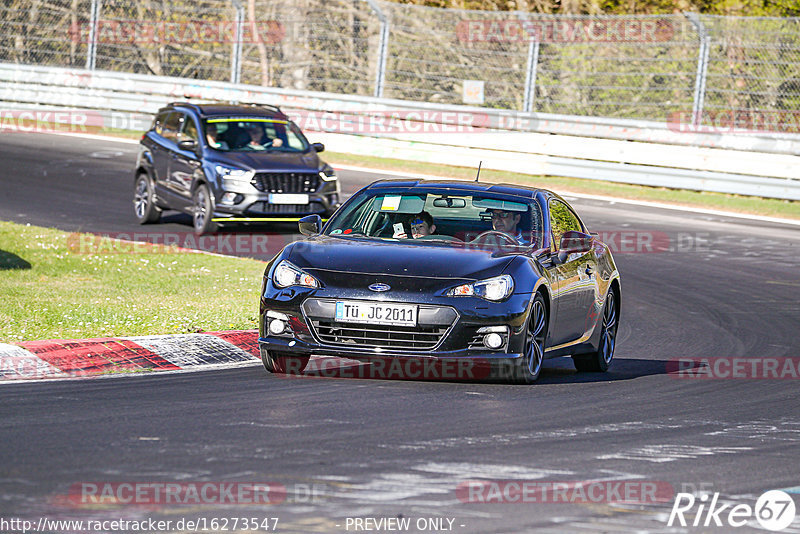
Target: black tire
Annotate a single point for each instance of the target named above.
(600, 361)
(203, 211)
(144, 200)
(529, 367)
(281, 363)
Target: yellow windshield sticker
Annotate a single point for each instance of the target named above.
(391, 203)
(247, 119)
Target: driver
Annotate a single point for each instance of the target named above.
(506, 222)
(258, 139)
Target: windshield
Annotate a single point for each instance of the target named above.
(253, 134)
(431, 217)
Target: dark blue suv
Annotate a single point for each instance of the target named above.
(225, 163)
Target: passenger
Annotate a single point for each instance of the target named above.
(421, 225)
(212, 137)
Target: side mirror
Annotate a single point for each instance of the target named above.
(310, 225)
(188, 144)
(319, 147)
(572, 242)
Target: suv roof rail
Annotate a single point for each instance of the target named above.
(256, 104)
(184, 103)
(196, 105)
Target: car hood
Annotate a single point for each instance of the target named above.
(272, 161)
(352, 256)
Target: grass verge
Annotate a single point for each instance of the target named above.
(50, 291)
(736, 203)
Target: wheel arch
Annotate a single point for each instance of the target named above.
(140, 170)
(545, 291)
(615, 287)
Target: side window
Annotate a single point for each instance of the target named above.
(189, 130)
(172, 126)
(158, 123)
(562, 220)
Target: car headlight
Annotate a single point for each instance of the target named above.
(234, 177)
(286, 274)
(495, 289)
(327, 174)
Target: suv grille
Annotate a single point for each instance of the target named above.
(258, 208)
(390, 337)
(286, 182)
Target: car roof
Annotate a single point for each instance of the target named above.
(221, 109)
(463, 186)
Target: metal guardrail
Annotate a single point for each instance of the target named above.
(617, 150)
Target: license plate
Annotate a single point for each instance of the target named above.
(376, 313)
(288, 198)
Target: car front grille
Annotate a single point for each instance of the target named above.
(286, 182)
(373, 336)
(434, 323)
(259, 208)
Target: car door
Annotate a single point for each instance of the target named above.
(184, 163)
(155, 145)
(167, 134)
(574, 282)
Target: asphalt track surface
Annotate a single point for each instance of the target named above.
(391, 448)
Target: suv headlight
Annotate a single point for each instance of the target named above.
(327, 174)
(494, 289)
(286, 274)
(234, 177)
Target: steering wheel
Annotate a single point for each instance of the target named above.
(510, 239)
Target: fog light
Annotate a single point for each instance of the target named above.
(277, 327)
(493, 340)
(228, 198)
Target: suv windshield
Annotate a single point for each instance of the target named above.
(253, 134)
(428, 217)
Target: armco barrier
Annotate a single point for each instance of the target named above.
(617, 150)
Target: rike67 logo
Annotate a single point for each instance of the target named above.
(774, 510)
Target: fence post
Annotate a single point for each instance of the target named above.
(702, 68)
(531, 66)
(383, 48)
(530, 77)
(236, 51)
(91, 48)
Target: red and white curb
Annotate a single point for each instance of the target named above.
(70, 358)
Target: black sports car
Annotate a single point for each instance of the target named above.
(474, 275)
